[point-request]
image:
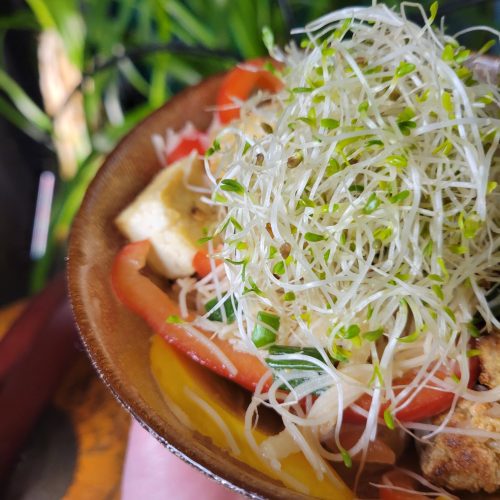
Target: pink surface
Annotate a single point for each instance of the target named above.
(153, 473)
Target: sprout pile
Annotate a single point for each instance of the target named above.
(360, 223)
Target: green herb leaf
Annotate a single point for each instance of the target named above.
(205, 239)
(363, 107)
(302, 90)
(438, 291)
(373, 335)
(266, 328)
(408, 339)
(216, 315)
(433, 10)
(346, 458)
(389, 419)
(289, 296)
(397, 161)
(236, 224)
(448, 53)
(173, 319)
(400, 196)
(471, 353)
(351, 332)
(232, 186)
(356, 188)
(279, 268)
(404, 68)
(313, 237)
(372, 204)
(329, 123)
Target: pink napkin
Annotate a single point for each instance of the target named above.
(152, 472)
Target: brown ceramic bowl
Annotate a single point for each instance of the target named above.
(116, 339)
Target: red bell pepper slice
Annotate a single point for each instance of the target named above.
(196, 141)
(400, 480)
(201, 263)
(141, 296)
(240, 83)
(427, 403)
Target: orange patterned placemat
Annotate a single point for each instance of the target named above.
(99, 424)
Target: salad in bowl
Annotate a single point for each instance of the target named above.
(327, 240)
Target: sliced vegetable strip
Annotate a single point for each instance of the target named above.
(239, 85)
(143, 297)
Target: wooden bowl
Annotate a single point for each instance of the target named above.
(117, 340)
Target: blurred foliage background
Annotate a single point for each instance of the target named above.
(76, 75)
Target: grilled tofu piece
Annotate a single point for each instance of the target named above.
(171, 216)
(460, 462)
(489, 359)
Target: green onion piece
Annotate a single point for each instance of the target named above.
(232, 186)
(216, 315)
(261, 335)
(389, 419)
(294, 364)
